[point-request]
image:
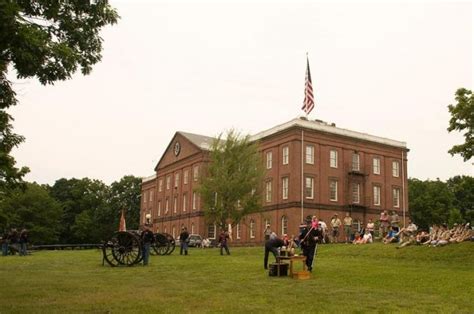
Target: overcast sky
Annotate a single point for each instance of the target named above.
(387, 69)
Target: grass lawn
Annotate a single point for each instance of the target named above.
(347, 278)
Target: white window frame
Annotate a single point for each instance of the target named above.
(185, 202)
(159, 208)
(269, 159)
(331, 182)
(286, 155)
(355, 162)
(376, 165)
(237, 231)
(167, 205)
(194, 200)
(195, 173)
(160, 185)
(284, 186)
(192, 228)
(168, 182)
(186, 176)
(173, 232)
(268, 191)
(396, 197)
(252, 229)
(211, 235)
(355, 193)
(333, 158)
(377, 192)
(151, 196)
(176, 179)
(395, 168)
(284, 225)
(175, 204)
(309, 154)
(309, 180)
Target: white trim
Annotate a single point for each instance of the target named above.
(149, 178)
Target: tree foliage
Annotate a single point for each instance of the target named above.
(48, 40)
(125, 194)
(32, 208)
(462, 120)
(232, 187)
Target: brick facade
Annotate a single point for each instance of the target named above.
(193, 151)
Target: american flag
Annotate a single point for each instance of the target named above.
(308, 103)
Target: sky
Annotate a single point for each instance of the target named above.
(388, 69)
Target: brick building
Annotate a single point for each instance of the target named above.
(312, 168)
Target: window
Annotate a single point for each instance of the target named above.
(268, 191)
(195, 173)
(333, 190)
(166, 230)
(310, 154)
(237, 231)
(308, 191)
(376, 165)
(185, 202)
(266, 223)
(284, 184)
(333, 158)
(144, 197)
(211, 231)
(167, 206)
(159, 208)
(160, 185)
(396, 197)
(376, 195)
(168, 182)
(355, 162)
(395, 169)
(176, 180)
(175, 204)
(252, 229)
(174, 232)
(284, 225)
(192, 228)
(269, 160)
(151, 196)
(186, 176)
(285, 156)
(194, 200)
(355, 193)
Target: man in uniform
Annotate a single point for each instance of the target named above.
(272, 245)
(147, 238)
(309, 239)
(183, 241)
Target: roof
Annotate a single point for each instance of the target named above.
(201, 141)
(149, 178)
(322, 126)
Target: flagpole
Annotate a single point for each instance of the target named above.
(302, 174)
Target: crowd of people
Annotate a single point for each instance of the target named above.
(14, 242)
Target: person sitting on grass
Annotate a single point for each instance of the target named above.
(357, 238)
(391, 236)
(422, 237)
(433, 236)
(407, 231)
(443, 237)
(367, 238)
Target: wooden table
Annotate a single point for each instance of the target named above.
(292, 259)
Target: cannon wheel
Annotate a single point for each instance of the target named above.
(124, 249)
(161, 245)
(172, 243)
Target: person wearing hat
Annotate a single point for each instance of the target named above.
(267, 232)
(183, 241)
(148, 238)
(335, 224)
(309, 239)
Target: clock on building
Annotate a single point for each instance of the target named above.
(177, 148)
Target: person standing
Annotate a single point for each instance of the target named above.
(147, 239)
(384, 224)
(23, 242)
(395, 221)
(183, 241)
(335, 224)
(223, 237)
(348, 227)
(309, 240)
(272, 245)
(267, 232)
(370, 226)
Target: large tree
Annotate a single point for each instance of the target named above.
(125, 194)
(462, 119)
(32, 208)
(232, 185)
(48, 40)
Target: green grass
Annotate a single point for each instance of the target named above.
(347, 278)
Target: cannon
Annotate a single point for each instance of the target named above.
(125, 248)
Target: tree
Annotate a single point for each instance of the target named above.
(231, 189)
(125, 194)
(32, 208)
(462, 119)
(49, 40)
(463, 189)
(430, 202)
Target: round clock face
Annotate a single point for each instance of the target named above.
(177, 148)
